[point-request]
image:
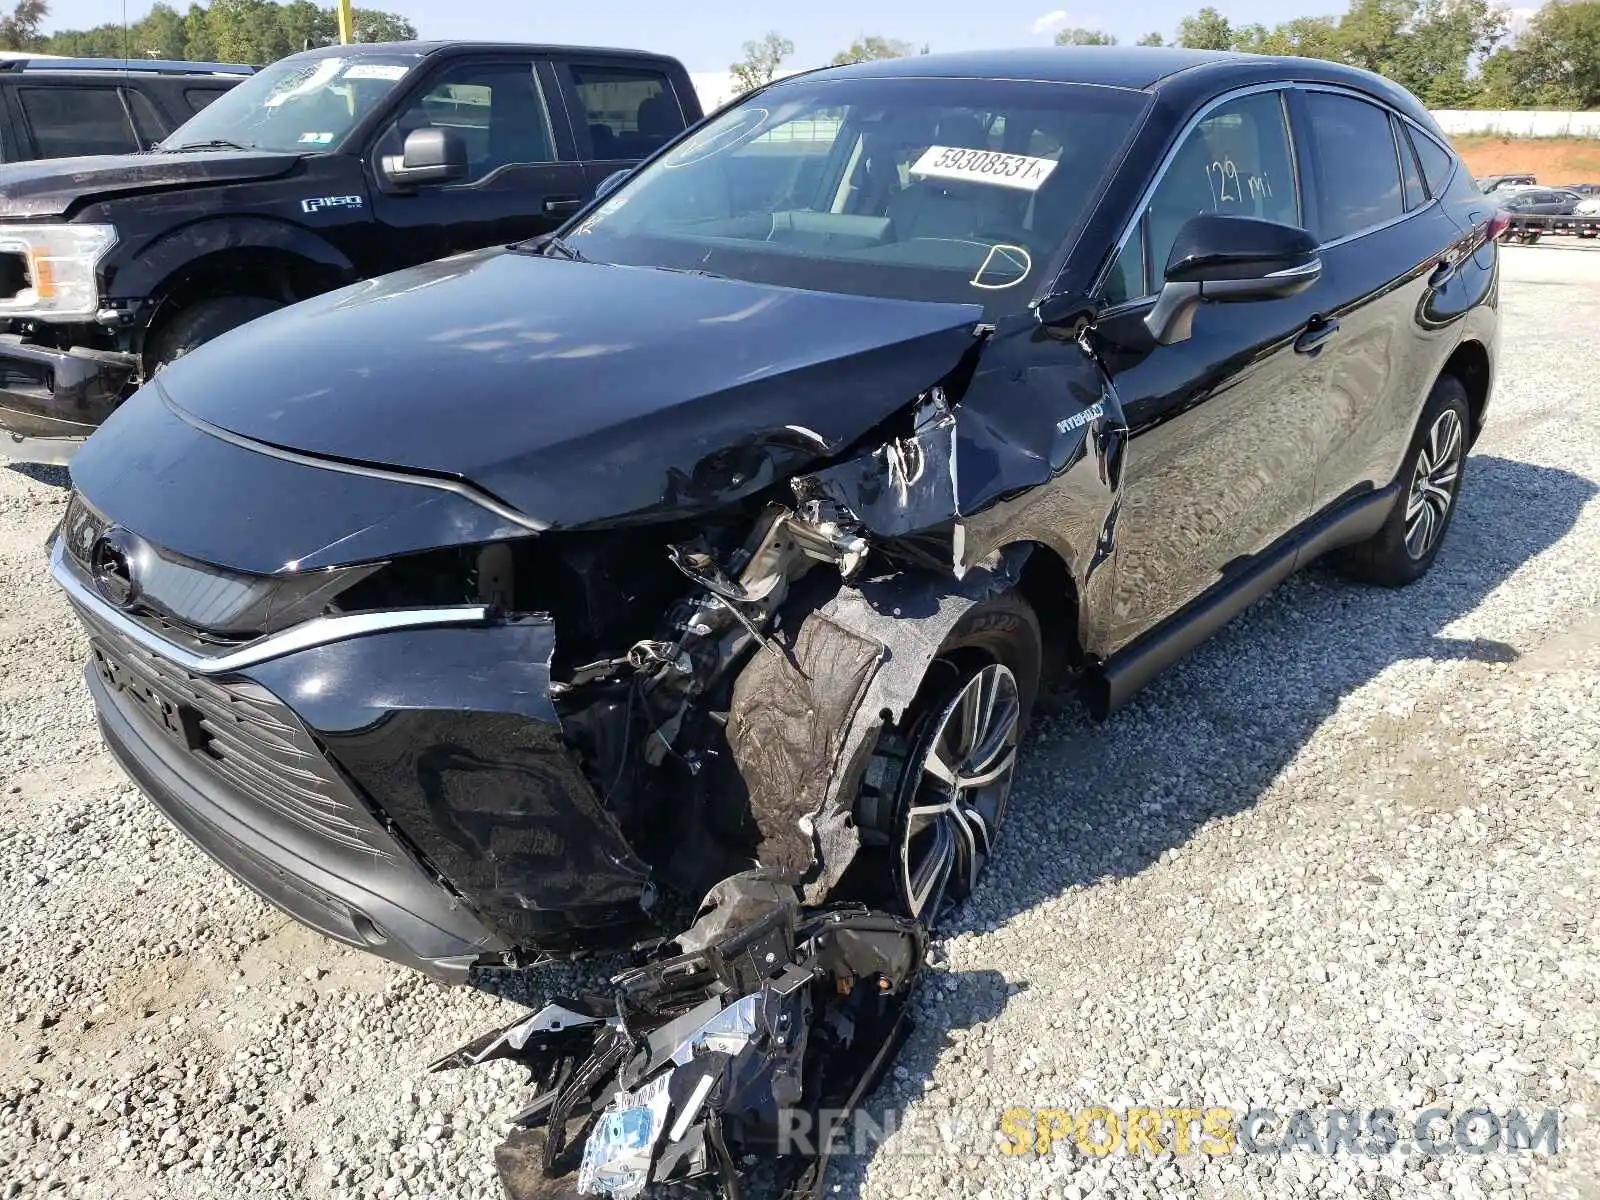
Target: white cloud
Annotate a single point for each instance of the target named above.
(1049, 21)
(1517, 16)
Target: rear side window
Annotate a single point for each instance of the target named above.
(77, 120)
(1236, 162)
(1438, 164)
(1411, 175)
(630, 111)
(1357, 167)
(199, 97)
(147, 121)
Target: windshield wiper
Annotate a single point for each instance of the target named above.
(691, 271)
(561, 246)
(212, 144)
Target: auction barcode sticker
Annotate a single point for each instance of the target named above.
(984, 166)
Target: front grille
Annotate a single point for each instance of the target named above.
(241, 733)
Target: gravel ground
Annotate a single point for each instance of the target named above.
(1341, 857)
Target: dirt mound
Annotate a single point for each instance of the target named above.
(1550, 160)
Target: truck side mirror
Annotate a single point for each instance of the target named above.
(430, 155)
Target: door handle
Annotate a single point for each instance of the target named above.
(1315, 334)
(1442, 274)
(562, 204)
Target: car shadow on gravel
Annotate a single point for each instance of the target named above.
(1105, 800)
(42, 473)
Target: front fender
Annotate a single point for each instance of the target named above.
(143, 272)
(1030, 452)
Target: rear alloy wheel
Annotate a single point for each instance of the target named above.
(1433, 484)
(1404, 548)
(955, 791)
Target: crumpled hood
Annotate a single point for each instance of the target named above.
(54, 187)
(576, 393)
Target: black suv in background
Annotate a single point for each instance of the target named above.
(320, 170)
(64, 107)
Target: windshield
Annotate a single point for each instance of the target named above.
(301, 104)
(925, 189)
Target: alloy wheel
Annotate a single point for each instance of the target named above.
(958, 793)
(1433, 486)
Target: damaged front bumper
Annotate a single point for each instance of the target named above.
(753, 1035)
(487, 846)
(51, 400)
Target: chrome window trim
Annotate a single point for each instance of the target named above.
(1189, 127)
(1455, 160)
(1391, 113)
(319, 631)
(1278, 86)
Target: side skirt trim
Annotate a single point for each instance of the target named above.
(1116, 681)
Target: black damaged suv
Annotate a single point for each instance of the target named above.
(324, 168)
(467, 612)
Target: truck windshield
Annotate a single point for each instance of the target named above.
(936, 189)
(302, 104)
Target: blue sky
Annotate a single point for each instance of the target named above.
(707, 34)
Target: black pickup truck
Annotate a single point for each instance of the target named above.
(321, 170)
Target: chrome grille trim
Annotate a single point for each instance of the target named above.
(318, 632)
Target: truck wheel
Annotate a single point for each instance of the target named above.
(937, 788)
(1403, 550)
(199, 323)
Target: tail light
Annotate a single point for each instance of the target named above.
(1498, 224)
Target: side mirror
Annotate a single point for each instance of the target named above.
(611, 182)
(1228, 260)
(431, 155)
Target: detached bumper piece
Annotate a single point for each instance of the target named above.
(751, 1035)
(51, 400)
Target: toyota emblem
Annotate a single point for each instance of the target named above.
(111, 563)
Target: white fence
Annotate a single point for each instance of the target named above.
(1519, 123)
(717, 88)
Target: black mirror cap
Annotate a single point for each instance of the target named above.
(1214, 249)
(430, 155)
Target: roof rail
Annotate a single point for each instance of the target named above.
(160, 66)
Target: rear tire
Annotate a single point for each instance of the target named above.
(1402, 551)
(934, 798)
(200, 323)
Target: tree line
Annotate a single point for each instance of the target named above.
(1451, 53)
(231, 31)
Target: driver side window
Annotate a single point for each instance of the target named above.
(495, 108)
(1236, 162)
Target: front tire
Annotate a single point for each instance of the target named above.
(1404, 549)
(198, 324)
(937, 792)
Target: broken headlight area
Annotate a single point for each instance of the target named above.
(739, 1040)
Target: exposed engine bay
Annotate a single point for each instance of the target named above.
(723, 683)
(754, 1033)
